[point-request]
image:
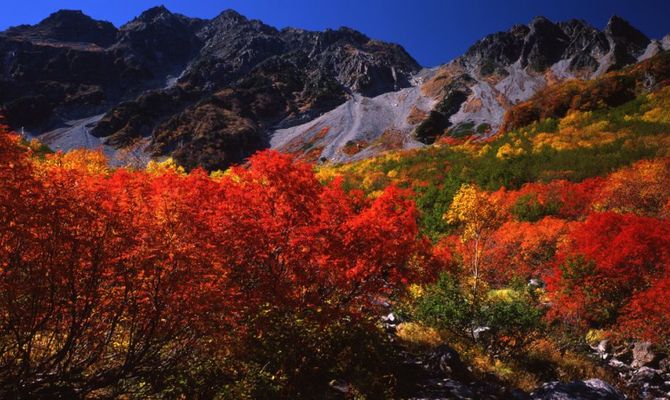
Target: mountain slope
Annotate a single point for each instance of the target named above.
(204, 91)
(470, 95)
(211, 92)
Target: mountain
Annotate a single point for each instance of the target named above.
(204, 91)
(470, 95)
(211, 92)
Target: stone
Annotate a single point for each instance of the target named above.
(646, 375)
(644, 355)
(592, 389)
(340, 386)
(604, 346)
(445, 360)
(618, 364)
(664, 365)
(481, 332)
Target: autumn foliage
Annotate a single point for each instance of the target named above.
(110, 276)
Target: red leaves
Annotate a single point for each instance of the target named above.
(647, 315)
(107, 269)
(606, 261)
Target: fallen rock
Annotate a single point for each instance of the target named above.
(646, 375)
(644, 355)
(592, 389)
(664, 365)
(604, 347)
(618, 364)
(445, 360)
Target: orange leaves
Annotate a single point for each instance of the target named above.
(642, 189)
(296, 240)
(526, 250)
(134, 264)
(88, 161)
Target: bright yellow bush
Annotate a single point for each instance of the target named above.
(418, 335)
(161, 167)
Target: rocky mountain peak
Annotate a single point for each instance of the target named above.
(343, 34)
(157, 16)
(621, 29)
(154, 12)
(627, 42)
(210, 92)
(543, 45)
(69, 26)
(519, 30)
(230, 14)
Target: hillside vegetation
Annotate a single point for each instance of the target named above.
(267, 280)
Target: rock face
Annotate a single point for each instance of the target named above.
(508, 67)
(470, 95)
(592, 389)
(205, 91)
(644, 355)
(447, 361)
(211, 92)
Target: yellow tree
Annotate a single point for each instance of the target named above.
(478, 217)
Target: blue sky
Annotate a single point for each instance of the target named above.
(433, 31)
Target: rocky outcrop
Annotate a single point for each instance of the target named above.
(592, 389)
(211, 92)
(68, 26)
(509, 67)
(645, 355)
(640, 367)
(217, 85)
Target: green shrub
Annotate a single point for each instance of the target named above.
(510, 317)
(513, 320)
(445, 306)
(528, 208)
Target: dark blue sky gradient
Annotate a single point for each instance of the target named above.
(433, 31)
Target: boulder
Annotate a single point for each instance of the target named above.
(646, 375)
(444, 360)
(481, 332)
(618, 364)
(592, 389)
(623, 353)
(664, 365)
(644, 355)
(604, 347)
(390, 322)
(340, 386)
